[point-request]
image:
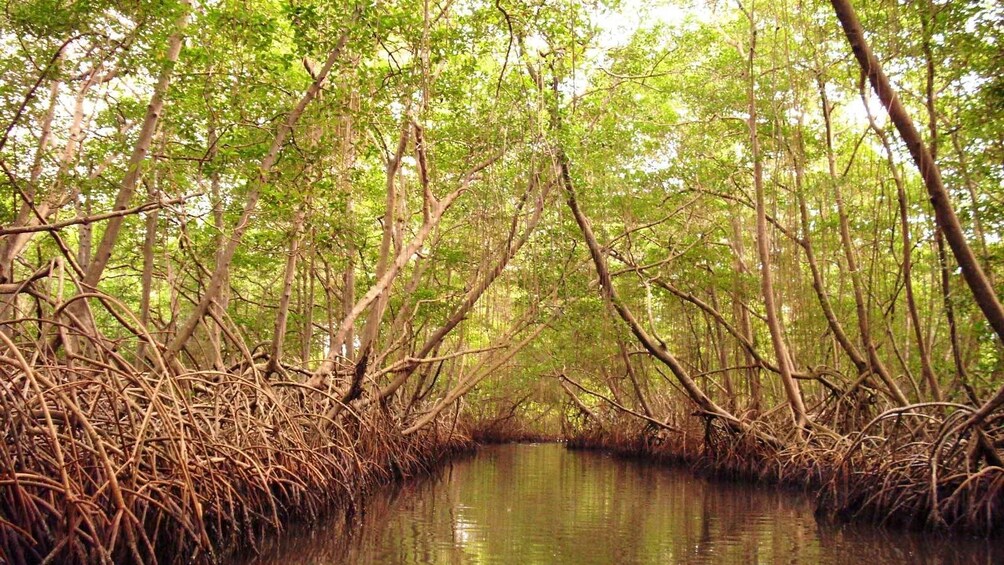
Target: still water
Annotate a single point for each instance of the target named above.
(543, 504)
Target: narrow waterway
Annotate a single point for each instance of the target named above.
(543, 504)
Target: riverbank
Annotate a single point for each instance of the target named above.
(119, 465)
(917, 474)
(129, 467)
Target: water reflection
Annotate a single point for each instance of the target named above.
(542, 504)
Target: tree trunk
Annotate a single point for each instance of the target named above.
(927, 370)
(251, 203)
(104, 251)
(607, 291)
(279, 334)
(513, 245)
(742, 315)
(791, 388)
(944, 213)
(307, 286)
(370, 329)
(850, 255)
(219, 306)
(146, 284)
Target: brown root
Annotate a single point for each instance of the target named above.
(102, 462)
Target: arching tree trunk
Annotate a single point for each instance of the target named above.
(610, 294)
(944, 212)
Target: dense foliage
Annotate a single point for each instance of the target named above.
(527, 216)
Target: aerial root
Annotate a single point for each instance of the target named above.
(104, 463)
(915, 467)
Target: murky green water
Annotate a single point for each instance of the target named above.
(543, 504)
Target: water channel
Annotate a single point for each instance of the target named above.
(544, 504)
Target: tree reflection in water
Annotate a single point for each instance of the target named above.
(543, 504)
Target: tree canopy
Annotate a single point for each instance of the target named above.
(782, 220)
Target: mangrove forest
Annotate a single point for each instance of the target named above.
(261, 260)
